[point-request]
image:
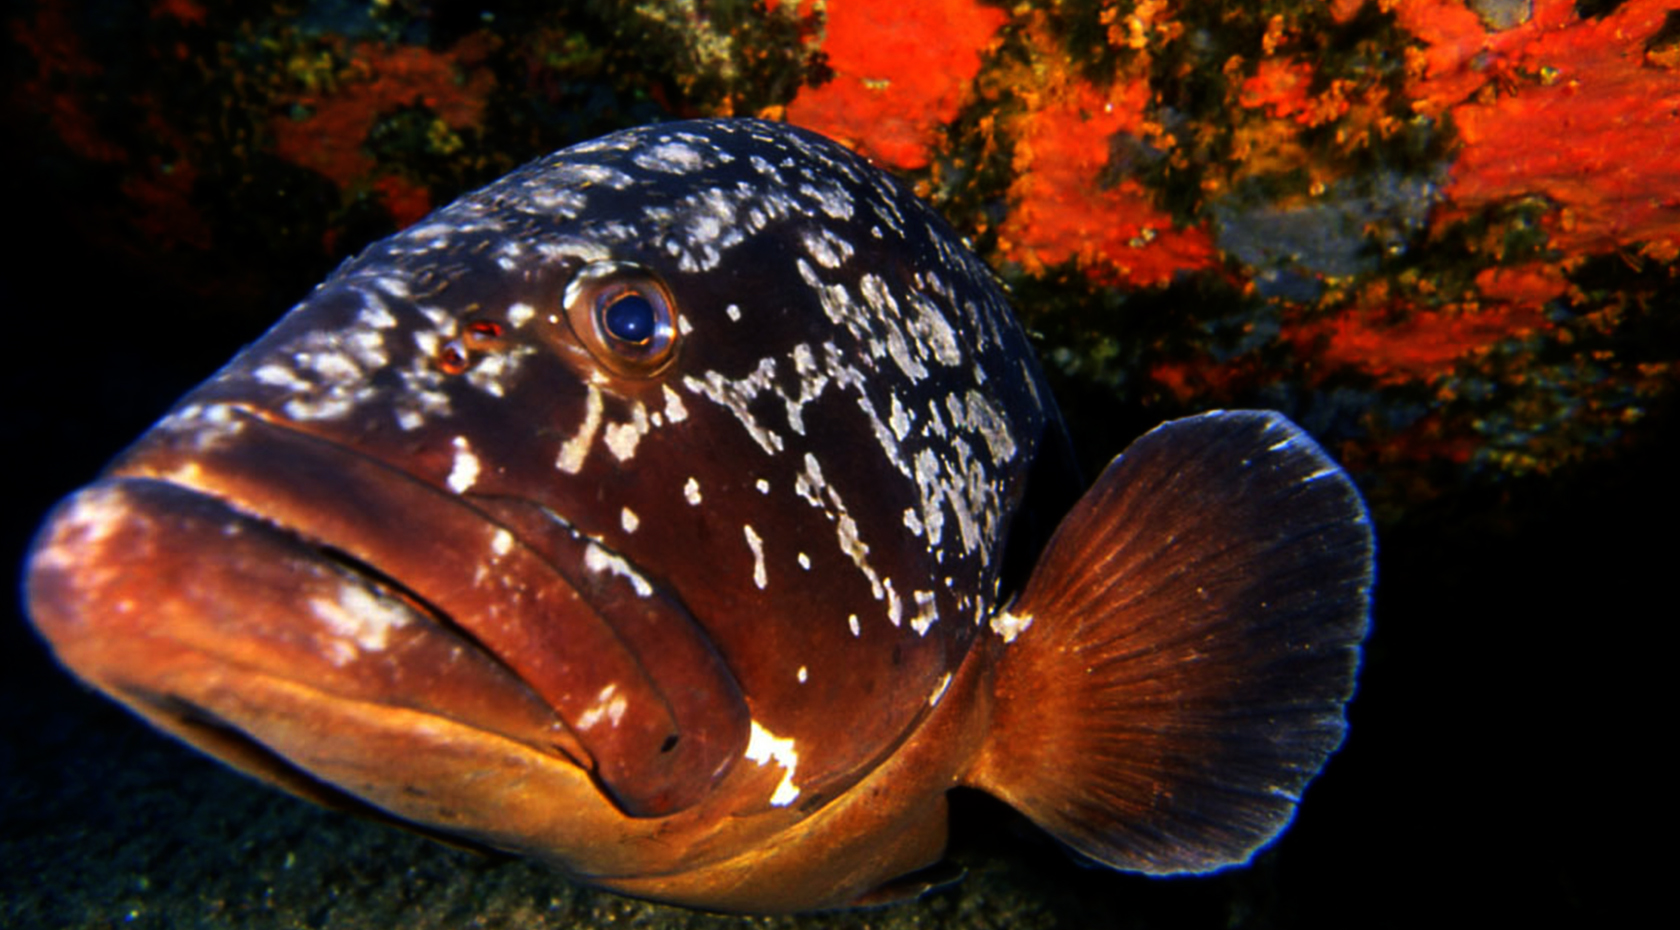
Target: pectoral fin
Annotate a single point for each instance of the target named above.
(1182, 653)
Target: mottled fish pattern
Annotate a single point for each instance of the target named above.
(675, 484)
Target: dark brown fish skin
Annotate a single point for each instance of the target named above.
(713, 614)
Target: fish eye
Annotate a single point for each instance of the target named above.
(475, 337)
(631, 318)
(624, 316)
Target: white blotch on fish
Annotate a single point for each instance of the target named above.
(463, 472)
(764, 747)
(596, 558)
(574, 450)
(609, 706)
(756, 544)
(1008, 625)
(358, 618)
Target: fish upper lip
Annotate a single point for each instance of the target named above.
(340, 557)
(190, 477)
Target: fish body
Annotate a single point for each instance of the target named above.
(677, 510)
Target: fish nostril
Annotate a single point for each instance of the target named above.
(669, 744)
(478, 336)
(482, 334)
(452, 357)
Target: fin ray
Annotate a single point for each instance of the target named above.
(1198, 620)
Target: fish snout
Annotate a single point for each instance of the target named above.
(312, 614)
(274, 655)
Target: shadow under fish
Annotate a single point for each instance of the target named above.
(678, 510)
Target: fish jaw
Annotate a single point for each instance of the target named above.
(872, 844)
(206, 586)
(244, 640)
(241, 638)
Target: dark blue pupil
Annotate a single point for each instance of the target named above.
(631, 319)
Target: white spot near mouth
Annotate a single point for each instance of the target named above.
(208, 424)
(502, 542)
(464, 472)
(764, 747)
(92, 516)
(691, 492)
(756, 544)
(598, 559)
(628, 519)
(360, 615)
(609, 706)
(852, 621)
(803, 674)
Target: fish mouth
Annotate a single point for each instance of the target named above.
(341, 628)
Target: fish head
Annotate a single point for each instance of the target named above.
(667, 477)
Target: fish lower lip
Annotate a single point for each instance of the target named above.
(204, 728)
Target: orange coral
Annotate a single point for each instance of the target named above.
(186, 11)
(406, 200)
(900, 73)
(1559, 107)
(1398, 344)
(1202, 378)
(60, 60)
(1529, 284)
(1281, 86)
(378, 80)
(1432, 437)
(160, 198)
(1452, 64)
(1062, 209)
